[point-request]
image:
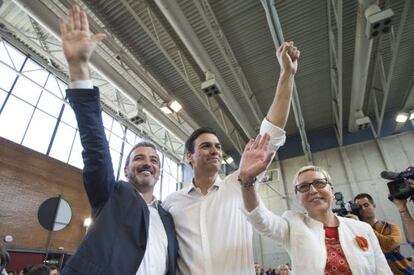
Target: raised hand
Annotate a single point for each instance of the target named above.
(255, 159)
(288, 56)
(78, 44)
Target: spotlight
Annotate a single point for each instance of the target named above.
(401, 117)
(378, 21)
(87, 222)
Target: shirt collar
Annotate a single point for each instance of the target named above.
(153, 203)
(216, 185)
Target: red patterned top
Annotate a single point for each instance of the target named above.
(336, 262)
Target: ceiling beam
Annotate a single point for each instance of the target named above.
(175, 16)
(335, 58)
(277, 35)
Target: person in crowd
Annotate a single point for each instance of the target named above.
(39, 269)
(4, 260)
(54, 270)
(318, 241)
(283, 269)
(257, 269)
(131, 233)
(213, 235)
(388, 234)
(406, 217)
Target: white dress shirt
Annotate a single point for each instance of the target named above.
(213, 234)
(155, 257)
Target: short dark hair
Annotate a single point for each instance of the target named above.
(140, 144)
(363, 196)
(189, 144)
(39, 269)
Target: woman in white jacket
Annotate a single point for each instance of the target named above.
(318, 242)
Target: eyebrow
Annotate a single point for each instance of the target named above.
(151, 156)
(210, 143)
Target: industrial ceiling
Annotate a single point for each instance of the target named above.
(163, 50)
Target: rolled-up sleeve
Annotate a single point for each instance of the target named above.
(277, 134)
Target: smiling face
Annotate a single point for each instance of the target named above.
(207, 155)
(315, 201)
(367, 211)
(143, 169)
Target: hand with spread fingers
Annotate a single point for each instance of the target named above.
(78, 44)
(256, 157)
(288, 56)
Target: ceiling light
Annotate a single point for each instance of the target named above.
(175, 106)
(411, 115)
(229, 160)
(166, 109)
(171, 107)
(87, 222)
(401, 117)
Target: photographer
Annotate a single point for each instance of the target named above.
(388, 234)
(407, 219)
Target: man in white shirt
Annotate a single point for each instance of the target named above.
(213, 234)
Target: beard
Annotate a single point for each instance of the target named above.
(143, 182)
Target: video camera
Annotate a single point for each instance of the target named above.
(399, 187)
(345, 208)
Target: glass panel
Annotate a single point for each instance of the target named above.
(157, 190)
(63, 142)
(115, 143)
(8, 76)
(50, 104)
(35, 72)
(17, 57)
(3, 96)
(14, 119)
(40, 132)
(118, 129)
(115, 160)
(75, 158)
(168, 185)
(4, 55)
(27, 90)
(130, 137)
(62, 87)
(68, 116)
(107, 121)
(53, 87)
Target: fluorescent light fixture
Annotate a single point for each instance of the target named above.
(229, 160)
(166, 109)
(401, 117)
(87, 222)
(411, 115)
(175, 106)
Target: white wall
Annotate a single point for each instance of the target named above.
(355, 169)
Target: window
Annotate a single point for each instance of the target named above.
(34, 113)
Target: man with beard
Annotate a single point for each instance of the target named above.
(131, 233)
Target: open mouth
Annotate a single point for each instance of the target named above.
(317, 199)
(145, 172)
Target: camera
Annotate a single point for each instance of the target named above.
(343, 208)
(399, 187)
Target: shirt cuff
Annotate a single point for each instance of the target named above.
(255, 211)
(277, 134)
(81, 84)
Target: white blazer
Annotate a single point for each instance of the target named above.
(304, 239)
